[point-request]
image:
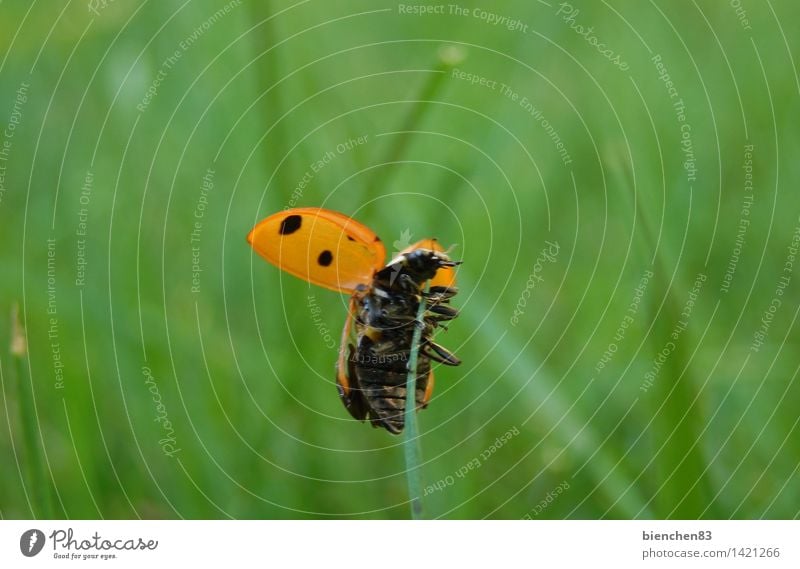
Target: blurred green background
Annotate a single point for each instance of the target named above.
(172, 374)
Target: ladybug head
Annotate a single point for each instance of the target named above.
(422, 264)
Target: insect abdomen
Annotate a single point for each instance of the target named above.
(385, 392)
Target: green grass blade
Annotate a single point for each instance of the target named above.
(411, 442)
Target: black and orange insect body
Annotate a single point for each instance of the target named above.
(385, 317)
(334, 251)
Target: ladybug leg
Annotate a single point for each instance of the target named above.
(442, 292)
(440, 354)
(443, 311)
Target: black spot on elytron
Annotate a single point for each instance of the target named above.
(377, 239)
(290, 224)
(350, 238)
(325, 258)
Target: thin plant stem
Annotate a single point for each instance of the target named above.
(411, 447)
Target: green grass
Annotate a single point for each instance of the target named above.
(411, 445)
(245, 376)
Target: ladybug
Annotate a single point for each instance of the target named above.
(334, 251)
